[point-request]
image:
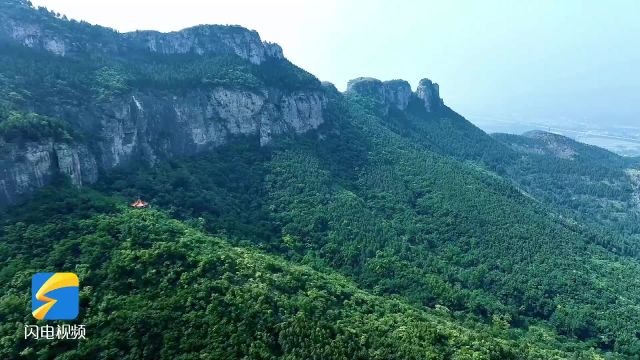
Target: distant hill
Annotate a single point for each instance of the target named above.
(590, 183)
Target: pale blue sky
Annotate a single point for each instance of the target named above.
(539, 60)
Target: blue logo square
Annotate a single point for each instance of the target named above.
(55, 296)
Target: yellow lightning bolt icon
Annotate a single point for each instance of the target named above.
(56, 281)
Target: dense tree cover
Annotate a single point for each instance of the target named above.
(193, 71)
(446, 132)
(155, 288)
(400, 220)
(20, 127)
(56, 23)
(592, 185)
(221, 190)
(368, 223)
(435, 230)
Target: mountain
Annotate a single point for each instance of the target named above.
(425, 119)
(156, 288)
(289, 220)
(79, 99)
(588, 183)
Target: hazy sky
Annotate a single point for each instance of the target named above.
(569, 60)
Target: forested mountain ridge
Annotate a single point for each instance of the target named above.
(581, 181)
(426, 120)
(589, 183)
(55, 34)
(404, 221)
(298, 222)
(79, 99)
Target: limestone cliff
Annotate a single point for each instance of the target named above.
(38, 30)
(429, 93)
(129, 122)
(209, 39)
(158, 125)
(26, 167)
(146, 126)
(397, 93)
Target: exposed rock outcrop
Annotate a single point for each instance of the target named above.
(634, 178)
(369, 87)
(33, 35)
(39, 30)
(143, 123)
(394, 93)
(26, 167)
(151, 125)
(397, 93)
(208, 39)
(429, 93)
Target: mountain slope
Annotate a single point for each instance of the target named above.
(382, 191)
(401, 220)
(78, 100)
(426, 120)
(155, 288)
(586, 182)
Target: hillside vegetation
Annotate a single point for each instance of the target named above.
(362, 228)
(153, 287)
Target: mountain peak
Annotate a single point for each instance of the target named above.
(429, 93)
(397, 93)
(394, 93)
(209, 39)
(38, 28)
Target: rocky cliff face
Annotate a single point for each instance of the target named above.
(209, 39)
(147, 124)
(369, 87)
(151, 126)
(429, 93)
(26, 167)
(397, 93)
(634, 178)
(33, 35)
(37, 30)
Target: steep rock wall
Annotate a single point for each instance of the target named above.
(147, 126)
(29, 166)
